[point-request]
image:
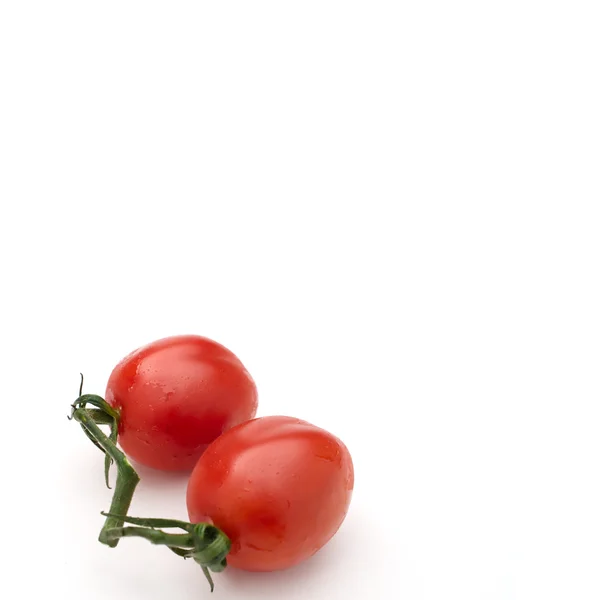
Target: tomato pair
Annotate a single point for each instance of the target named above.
(266, 493)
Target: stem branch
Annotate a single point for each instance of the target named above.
(127, 478)
(154, 536)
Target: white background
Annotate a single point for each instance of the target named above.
(388, 210)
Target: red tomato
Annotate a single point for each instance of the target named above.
(278, 487)
(175, 396)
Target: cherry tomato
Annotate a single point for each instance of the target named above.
(278, 487)
(175, 396)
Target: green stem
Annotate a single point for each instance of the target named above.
(127, 478)
(205, 543)
(154, 536)
(154, 523)
(100, 417)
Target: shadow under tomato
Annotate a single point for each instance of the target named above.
(157, 478)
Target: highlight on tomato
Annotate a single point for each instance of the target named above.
(265, 496)
(164, 404)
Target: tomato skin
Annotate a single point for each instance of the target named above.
(279, 488)
(177, 395)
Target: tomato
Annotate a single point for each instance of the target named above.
(175, 396)
(278, 487)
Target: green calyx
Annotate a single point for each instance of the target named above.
(127, 478)
(205, 543)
